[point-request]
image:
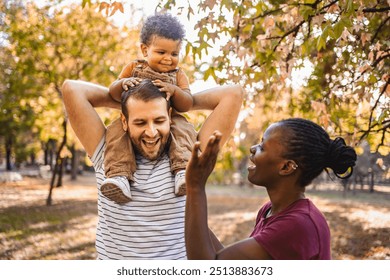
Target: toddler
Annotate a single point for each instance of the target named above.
(161, 38)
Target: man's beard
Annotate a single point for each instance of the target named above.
(138, 150)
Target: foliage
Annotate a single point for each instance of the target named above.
(325, 60)
(264, 44)
(43, 46)
(319, 59)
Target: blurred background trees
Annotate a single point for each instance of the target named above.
(327, 61)
(41, 46)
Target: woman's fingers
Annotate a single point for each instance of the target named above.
(211, 151)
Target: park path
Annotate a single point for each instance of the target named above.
(360, 224)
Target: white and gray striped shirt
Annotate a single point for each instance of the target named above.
(151, 226)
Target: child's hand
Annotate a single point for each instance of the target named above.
(130, 82)
(168, 88)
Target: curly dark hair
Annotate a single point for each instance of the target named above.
(310, 146)
(163, 25)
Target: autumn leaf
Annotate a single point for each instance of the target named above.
(103, 5)
(115, 7)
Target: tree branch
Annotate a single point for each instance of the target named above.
(294, 30)
(379, 28)
(329, 5)
(370, 126)
(373, 10)
(375, 63)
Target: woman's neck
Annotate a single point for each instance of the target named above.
(282, 198)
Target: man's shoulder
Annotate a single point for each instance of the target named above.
(98, 155)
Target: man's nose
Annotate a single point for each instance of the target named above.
(151, 130)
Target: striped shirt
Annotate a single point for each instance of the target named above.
(151, 226)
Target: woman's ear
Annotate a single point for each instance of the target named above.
(288, 167)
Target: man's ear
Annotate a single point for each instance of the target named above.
(124, 122)
(170, 115)
(288, 167)
(144, 49)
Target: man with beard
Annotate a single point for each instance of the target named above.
(152, 225)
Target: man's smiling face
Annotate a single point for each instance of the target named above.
(149, 126)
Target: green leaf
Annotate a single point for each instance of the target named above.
(188, 48)
(350, 6)
(321, 43)
(85, 2)
(338, 29)
(306, 12)
(347, 21)
(209, 72)
(373, 79)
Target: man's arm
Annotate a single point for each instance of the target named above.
(225, 103)
(115, 90)
(80, 98)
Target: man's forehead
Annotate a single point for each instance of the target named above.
(139, 102)
(138, 108)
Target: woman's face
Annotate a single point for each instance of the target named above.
(267, 157)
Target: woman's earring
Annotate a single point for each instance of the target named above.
(294, 165)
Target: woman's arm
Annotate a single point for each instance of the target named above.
(201, 243)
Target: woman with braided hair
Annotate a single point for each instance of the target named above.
(291, 154)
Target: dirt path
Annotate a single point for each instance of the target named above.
(360, 224)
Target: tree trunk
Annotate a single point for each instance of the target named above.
(51, 147)
(46, 155)
(371, 181)
(74, 163)
(58, 166)
(32, 158)
(60, 172)
(8, 151)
